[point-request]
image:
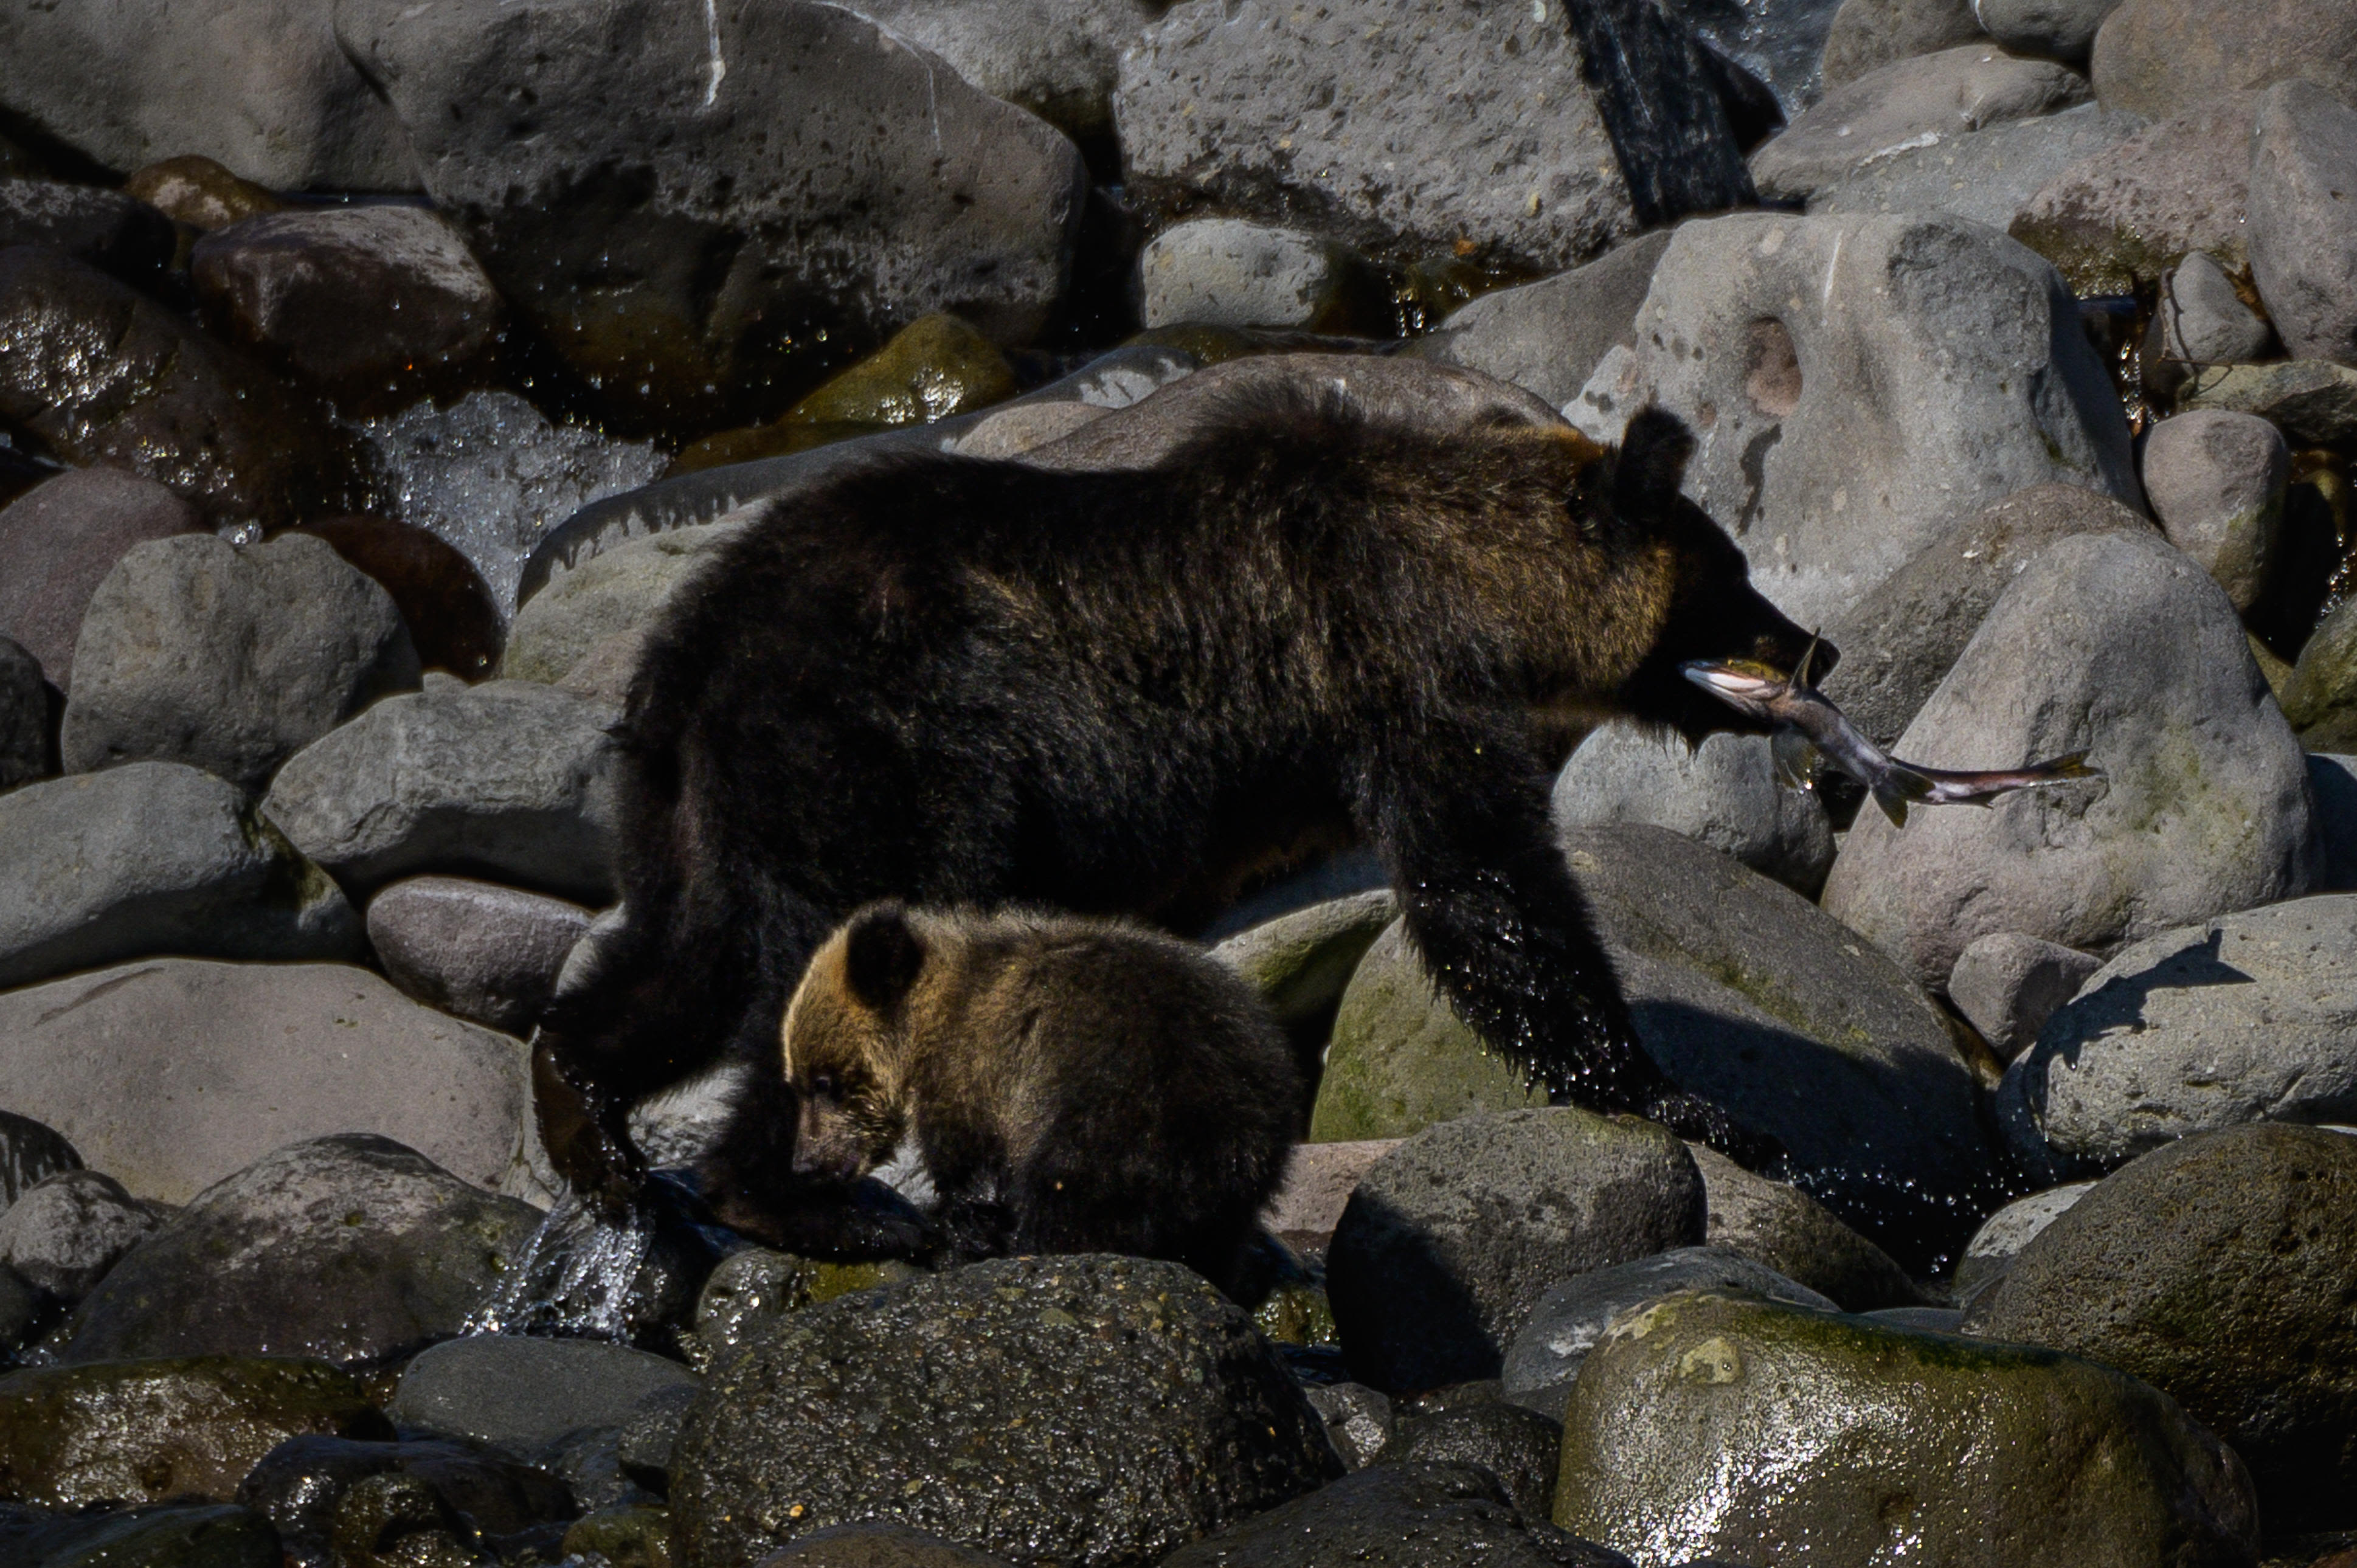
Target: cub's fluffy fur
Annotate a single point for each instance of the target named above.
(1070, 1085)
(963, 683)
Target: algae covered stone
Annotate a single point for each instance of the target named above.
(1706, 1425)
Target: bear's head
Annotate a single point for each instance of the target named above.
(844, 1044)
(1709, 610)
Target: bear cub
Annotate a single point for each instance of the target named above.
(1070, 1085)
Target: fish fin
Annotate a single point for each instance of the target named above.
(1893, 806)
(1795, 760)
(2073, 765)
(1800, 679)
(1895, 788)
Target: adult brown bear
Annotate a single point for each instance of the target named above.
(960, 682)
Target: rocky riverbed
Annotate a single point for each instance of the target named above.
(371, 374)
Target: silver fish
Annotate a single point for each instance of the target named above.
(1809, 730)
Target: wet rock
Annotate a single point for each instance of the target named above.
(2007, 983)
(1571, 1318)
(1358, 1421)
(2051, 29)
(274, 1053)
(64, 1233)
(2303, 237)
(20, 1309)
(1058, 59)
(1230, 272)
(2311, 400)
(2118, 644)
(1868, 34)
(656, 217)
(454, 622)
(1982, 385)
(474, 949)
(748, 1293)
(1989, 1257)
(1450, 1239)
(1302, 963)
(2218, 1269)
(154, 858)
(1917, 101)
(374, 306)
(491, 477)
(1130, 1401)
(2199, 321)
(196, 190)
(30, 1153)
(2118, 220)
(1393, 1516)
(1782, 1228)
(1781, 46)
(1285, 116)
(1750, 996)
(1899, 643)
(230, 659)
(299, 1485)
(935, 368)
(351, 1249)
(394, 1521)
(2152, 56)
(2216, 482)
(1520, 1447)
(1706, 1425)
(1400, 1058)
(877, 1546)
(610, 601)
(141, 1431)
(2334, 781)
(102, 374)
(29, 741)
(169, 1535)
(58, 542)
(1987, 175)
(1723, 793)
(511, 779)
(634, 1536)
(1548, 335)
(2242, 1018)
(258, 84)
(523, 1394)
(109, 229)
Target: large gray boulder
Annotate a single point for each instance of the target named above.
(353, 1249)
(1899, 643)
(1987, 175)
(2219, 1268)
(1920, 102)
(58, 542)
(154, 858)
(477, 950)
(2120, 646)
(2121, 217)
(1058, 59)
(1536, 134)
(2216, 480)
(2154, 56)
(229, 659)
(523, 1394)
(1777, 1225)
(1227, 272)
(1746, 1431)
(606, 604)
(1723, 793)
(258, 85)
(1868, 34)
(510, 778)
(1437, 1510)
(1131, 1405)
(2051, 29)
(1857, 383)
(1549, 336)
(1449, 1241)
(704, 200)
(2243, 1018)
(2007, 983)
(171, 1074)
(2303, 235)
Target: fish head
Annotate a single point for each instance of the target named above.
(1746, 685)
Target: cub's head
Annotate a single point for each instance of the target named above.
(1706, 605)
(844, 1044)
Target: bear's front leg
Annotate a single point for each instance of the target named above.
(1458, 808)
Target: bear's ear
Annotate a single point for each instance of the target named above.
(1651, 464)
(881, 955)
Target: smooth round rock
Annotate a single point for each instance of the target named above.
(2051, 29)
(195, 189)
(2216, 482)
(1782, 1228)
(64, 1233)
(2303, 236)
(522, 1394)
(1302, 963)
(58, 542)
(1723, 792)
(2219, 1269)
(452, 617)
(2007, 983)
(1230, 272)
(2002, 1236)
(1127, 1403)
(473, 949)
(1713, 1426)
(1549, 336)
(1450, 1240)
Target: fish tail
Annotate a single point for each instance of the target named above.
(2073, 765)
(1895, 787)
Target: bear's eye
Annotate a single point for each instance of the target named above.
(825, 1086)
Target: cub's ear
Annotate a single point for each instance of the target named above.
(1651, 464)
(881, 955)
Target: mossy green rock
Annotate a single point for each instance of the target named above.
(1708, 1426)
(1402, 1060)
(1303, 962)
(2221, 1269)
(2321, 699)
(144, 1431)
(750, 1290)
